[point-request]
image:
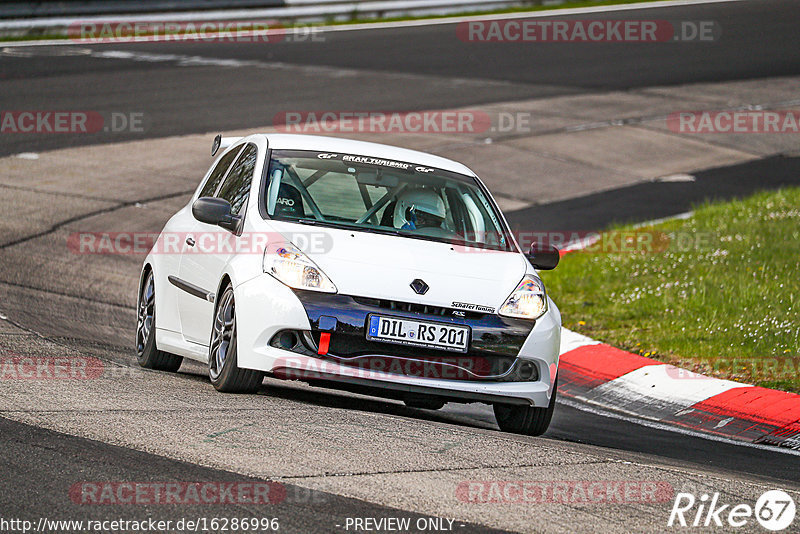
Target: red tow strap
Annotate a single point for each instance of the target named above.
(324, 342)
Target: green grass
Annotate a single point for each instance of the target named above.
(44, 35)
(721, 299)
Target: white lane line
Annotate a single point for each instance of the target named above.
(265, 13)
(182, 60)
(521, 15)
(681, 216)
(669, 428)
(676, 178)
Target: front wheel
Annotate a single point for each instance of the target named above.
(223, 369)
(147, 354)
(526, 420)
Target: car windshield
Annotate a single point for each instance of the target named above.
(385, 196)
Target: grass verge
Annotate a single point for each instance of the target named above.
(717, 293)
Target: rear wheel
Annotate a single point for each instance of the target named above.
(223, 369)
(525, 419)
(147, 354)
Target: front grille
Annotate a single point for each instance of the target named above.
(411, 307)
(495, 341)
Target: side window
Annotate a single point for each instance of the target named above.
(218, 173)
(236, 188)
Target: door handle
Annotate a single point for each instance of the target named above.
(190, 241)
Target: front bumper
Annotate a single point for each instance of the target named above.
(488, 372)
(494, 341)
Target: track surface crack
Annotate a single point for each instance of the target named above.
(91, 214)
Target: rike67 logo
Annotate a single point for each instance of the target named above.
(774, 510)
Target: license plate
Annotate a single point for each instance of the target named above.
(418, 333)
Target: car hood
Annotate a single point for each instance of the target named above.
(383, 266)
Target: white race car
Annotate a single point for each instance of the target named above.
(356, 266)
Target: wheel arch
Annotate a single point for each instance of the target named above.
(165, 305)
(146, 268)
(224, 282)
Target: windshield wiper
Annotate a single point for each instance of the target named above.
(345, 226)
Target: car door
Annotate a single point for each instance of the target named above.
(172, 246)
(201, 268)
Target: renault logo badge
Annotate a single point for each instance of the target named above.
(419, 287)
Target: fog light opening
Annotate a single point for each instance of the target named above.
(288, 340)
(527, 371)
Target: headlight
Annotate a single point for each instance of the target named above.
(528, 301)
(288, 264)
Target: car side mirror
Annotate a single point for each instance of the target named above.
(544, 257)
(216, 211)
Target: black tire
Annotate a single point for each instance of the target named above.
(425, 403)
(525, 419)
(223, 369)
(147, 354)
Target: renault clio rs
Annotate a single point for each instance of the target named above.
(357, 266)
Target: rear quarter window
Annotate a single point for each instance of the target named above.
(236, 188)
(218, 174)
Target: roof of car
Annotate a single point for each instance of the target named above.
(362, 148)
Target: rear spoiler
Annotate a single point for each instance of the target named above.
(222, 142)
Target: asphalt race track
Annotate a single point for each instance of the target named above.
(56, 302)
(391, 69)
